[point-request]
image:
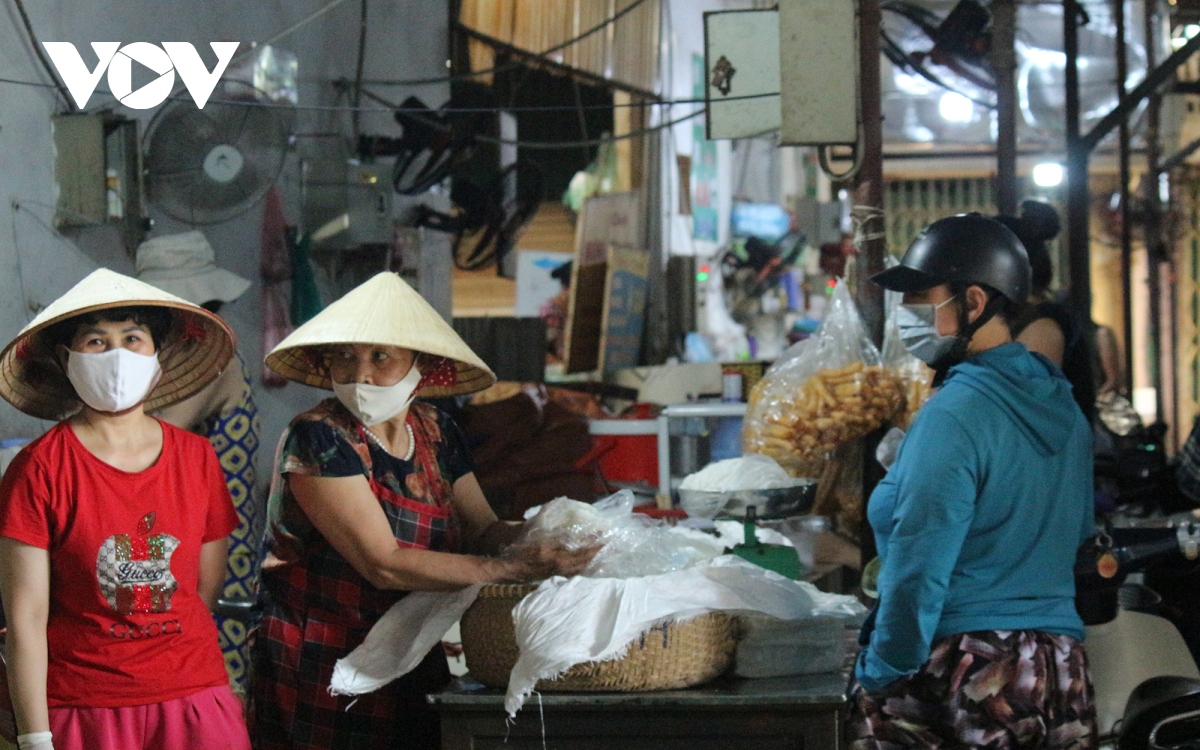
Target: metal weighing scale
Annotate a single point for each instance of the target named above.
(775, 557)
(745, 505)
(691, 436)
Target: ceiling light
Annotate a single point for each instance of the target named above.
(1048, 174)
(954, 107)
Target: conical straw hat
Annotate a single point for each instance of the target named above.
(197, 348)
(383, 310)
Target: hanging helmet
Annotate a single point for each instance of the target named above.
(969, 249)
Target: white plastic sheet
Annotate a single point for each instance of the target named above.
(634, 544)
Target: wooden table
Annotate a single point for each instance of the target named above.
(792, 713)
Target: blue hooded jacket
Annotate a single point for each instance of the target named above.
(978, 520)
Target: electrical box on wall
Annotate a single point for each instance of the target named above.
(818, 72)
(741, 56)
(353, 199)
(98, 169)
(794, 69)
(357, 226)
(820, 222)
(79, 170)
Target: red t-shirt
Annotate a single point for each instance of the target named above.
(127, 626)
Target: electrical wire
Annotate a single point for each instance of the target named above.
(552, 145)
(583, 131)
(541, 145)
(459, 110)
(298, 25)
(25, 301)
(41, 56)
(544, 54)
(248, 50)
(358, 72)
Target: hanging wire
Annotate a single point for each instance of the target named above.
(25, 301)
(298, 25)
(583, 130)
(856, 162)
(551, 145)
(457, 110)
(540, 145)
(41, 55)
(248, 50)
(358, 71)
(544, 54)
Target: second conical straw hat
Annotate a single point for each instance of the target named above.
(382, 310)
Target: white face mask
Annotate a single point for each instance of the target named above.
(917, 324)
(373, 404)
(114, 380)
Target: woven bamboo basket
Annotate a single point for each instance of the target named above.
(668, 656)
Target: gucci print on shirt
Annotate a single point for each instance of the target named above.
(134, 570)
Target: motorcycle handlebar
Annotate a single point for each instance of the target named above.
(1137, 546)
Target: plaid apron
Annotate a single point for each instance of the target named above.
(318, 609)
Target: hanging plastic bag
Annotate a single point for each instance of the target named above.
(598, 178)
(1117, 414)
(825, 391)
(840, 490)
(633, 544)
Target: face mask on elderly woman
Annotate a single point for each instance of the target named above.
(373, 404)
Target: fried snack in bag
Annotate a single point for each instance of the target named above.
(826, 390)
(840, 490)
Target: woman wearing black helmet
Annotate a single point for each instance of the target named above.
(975, 640)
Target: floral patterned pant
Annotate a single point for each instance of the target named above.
(993, 690)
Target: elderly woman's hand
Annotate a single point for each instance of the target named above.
(541, 560)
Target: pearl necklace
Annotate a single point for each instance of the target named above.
(412, 445)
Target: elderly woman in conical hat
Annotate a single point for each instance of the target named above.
(114, 526)
(375, 496)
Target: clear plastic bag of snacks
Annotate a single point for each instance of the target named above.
(827, 390)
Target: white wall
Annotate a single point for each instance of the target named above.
(407, 38)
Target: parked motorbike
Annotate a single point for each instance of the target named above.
(1146, 680)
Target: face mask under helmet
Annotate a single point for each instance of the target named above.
(917, 325)
(964, 250)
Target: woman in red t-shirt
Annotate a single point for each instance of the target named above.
(114, 526)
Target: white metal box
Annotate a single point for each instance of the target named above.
(818, 58)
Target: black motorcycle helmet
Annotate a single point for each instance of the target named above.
(964, 249)
(961, 251)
